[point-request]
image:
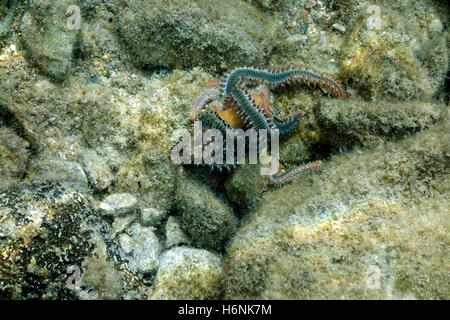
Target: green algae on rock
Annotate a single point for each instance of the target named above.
(67, 173)
(372, 223)
(174, 233)
(188, 273)
(46, 39)
(142, 249)
(358, 122)
(6, 22)
(398, 60)
(14, 156)
(132, 131)
(47, 229)
(152, 216)
(213, 34)
(43, 232)
(18, 117)
(316, 237)
(205, 216)
(245, 188)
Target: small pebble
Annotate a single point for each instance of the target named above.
(96, 170)
(118, 203)
(152, 216)
(436, 26)
(188, 273)
(174, 233)
(339, 27)
(122, 223)
(143, 248)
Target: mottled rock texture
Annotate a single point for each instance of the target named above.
(46, 38)
(188, 273)
(319, 236)
(206, 218)
(210, 33)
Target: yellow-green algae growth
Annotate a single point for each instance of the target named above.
(317, 237)
(162, 107)
(206, 216)
(188, 273)
(371, 223)
(399, 59)
(216, 35)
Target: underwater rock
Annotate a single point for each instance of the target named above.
(188, 273)
(18, 117)
(212, 34)
(8, 18)
(245, 187)
(97, 34)
(152, 177)
(44, 230)
(96, 170)
(121, 223)
(46, 38)
(367, 224)
(395, 59)
(174, 233)
(117, 204)
(206, 217)
(350, 122)
(152, 216)
(68, 173)
(100, 279)
(13, 156)
(132, 130)
(339, 27)
(142, 248)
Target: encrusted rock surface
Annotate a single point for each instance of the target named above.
(118, 204)
(92, 207)
(48, 41)
(96, 169)
(207, 219)
(321, 236)
(43, 232)
(13, 156)
(174, 233)
(188, 273)
(196, 33)
(142, 248)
